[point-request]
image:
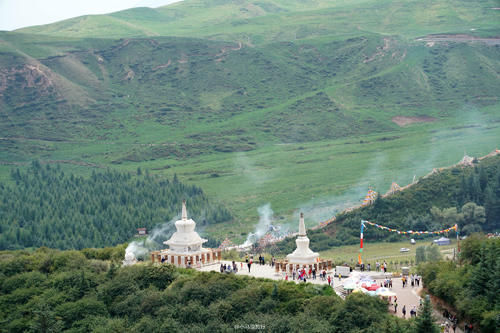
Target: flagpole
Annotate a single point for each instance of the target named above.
(361, 243)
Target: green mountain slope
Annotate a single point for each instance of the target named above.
(265, 21)
(257, 100)
(295, 92)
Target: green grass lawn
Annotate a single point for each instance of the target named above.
(382, 251)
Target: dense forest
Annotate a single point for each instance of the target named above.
(51, 291)
(46, 206)
(470, 286)
(467, 196)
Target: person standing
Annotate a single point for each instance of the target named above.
(404, 311)
(395, 306)
(249, 265)
(329, 279)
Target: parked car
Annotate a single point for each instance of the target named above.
(404, 249)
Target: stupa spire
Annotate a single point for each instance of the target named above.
(184, 211)
(303, 254)
(302, 226)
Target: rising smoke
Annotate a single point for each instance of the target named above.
(153, 242)
(265, 221)
(322, 209)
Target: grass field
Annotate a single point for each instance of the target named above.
(382, 251)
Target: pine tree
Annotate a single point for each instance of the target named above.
(425, 322)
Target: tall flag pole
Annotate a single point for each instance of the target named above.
(458, 238)
(361, 243)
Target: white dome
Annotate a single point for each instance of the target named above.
(185, 239)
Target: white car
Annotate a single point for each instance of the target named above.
(404, 249)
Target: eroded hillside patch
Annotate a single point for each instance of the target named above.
(405, 121)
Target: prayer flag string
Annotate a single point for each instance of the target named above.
(408, 232)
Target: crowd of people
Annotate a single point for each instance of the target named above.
(387, 283)
(415, 280)
(229, 268)
(381, 267)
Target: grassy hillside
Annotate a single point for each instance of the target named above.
(265, 21)
(294, 103)
(415, 209)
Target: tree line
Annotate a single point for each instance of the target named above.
(46, 206)
(471, 285)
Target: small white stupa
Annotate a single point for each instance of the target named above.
(303, 254)
(185, 246)
(185, 240)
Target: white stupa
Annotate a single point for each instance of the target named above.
(303, 254)
(185, 240)
(185, 246)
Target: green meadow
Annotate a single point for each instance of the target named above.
(383, 251)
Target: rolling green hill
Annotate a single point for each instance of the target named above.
(302, 104)
(264, 21)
